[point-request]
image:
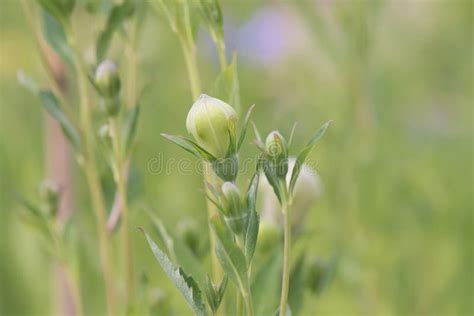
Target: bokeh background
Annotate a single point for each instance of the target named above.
(396, 166)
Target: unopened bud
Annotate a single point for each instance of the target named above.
(107, 79)
(234, 207)
(208, 121)
(49, 195)
(277, 149)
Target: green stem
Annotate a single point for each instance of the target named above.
(90, 168)
(238, 302)
(220, 45)
(193, 73)
(191, 65)
(285, 282)
(248, 302)
(121, 182)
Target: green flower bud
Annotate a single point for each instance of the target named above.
(277, 149)
(49, 195)
(107, 79)
(233, 207)
(209, 120)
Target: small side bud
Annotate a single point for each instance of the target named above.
(49, 195)
(107, 79)
(277, 150)
(234, 207)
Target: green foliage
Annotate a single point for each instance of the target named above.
(185, 284)
(266, 285)
(54, 33)
(215, 293)
(304, 154)
(251, 233)
(117, 16)
(230, 256)
(129, 128)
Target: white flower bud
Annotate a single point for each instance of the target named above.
(208, 121)
(277, 149)
(107, 79)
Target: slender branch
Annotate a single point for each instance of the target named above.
(90, 168)
(191, 65)
(121, 182)
(220, 45)
(285, 282)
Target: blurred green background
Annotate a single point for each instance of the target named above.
(396, 166)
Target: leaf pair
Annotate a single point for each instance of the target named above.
(212, 16)
(215, 293)
(118, 14)
(304, 154)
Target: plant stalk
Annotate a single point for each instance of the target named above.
(285, 280)
(220, 45)
(92, 176)
(191, 65)
(193, 73)
(121, 182)
(248, 302)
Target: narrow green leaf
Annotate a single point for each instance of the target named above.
(266, 285)
(185, 284)
(272, 178)
(212, 16)
(54, 9)
(117, 16)
(257, 133)
(51, 104)
(176, 249)
(304, 154)
(190, 147)
(163, 234)
(229, 254)
(245, 125)
(214, 294)
(297, 285)
(54, 34)
(292, 134)
(36, 218)
(129, 128)
(253, 223)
